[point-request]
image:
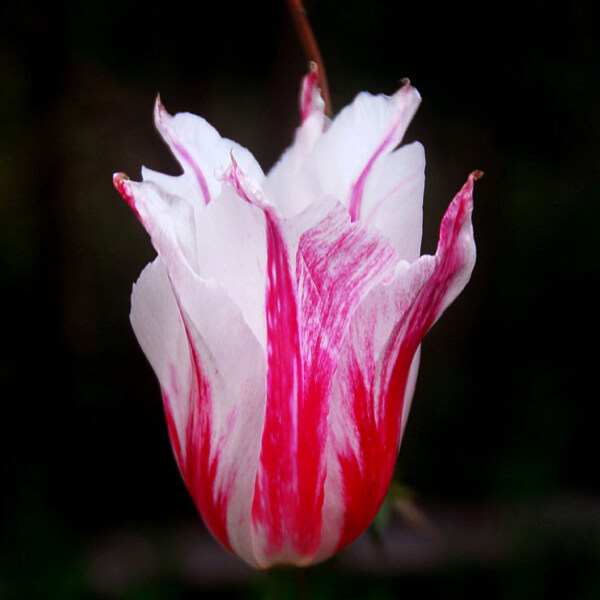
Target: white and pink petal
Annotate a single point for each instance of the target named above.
(284, 181)
(361, 134)
(338, 263)
(201, 151)
(208, 430)
(216, 435)
(339, 161)
(375, 381)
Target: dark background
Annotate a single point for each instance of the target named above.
(501, 452)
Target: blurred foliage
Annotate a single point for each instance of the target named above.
(505, 412)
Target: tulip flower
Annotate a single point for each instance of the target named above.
(283, 317)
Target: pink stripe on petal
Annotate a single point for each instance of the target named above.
(276, 507)
(203, 427)
(389, 142)
(338, 264)
(366, 431)
(160, 117)
(366, 471)
(197, 460)
(245, 187)
(358, 188)
(277, 528)
(187, 159)
(344, 261)
(221, 434)
(454, 261)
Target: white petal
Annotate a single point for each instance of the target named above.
(170, 220)
(157, 324)
(284, 179)
(393, 198)
(172, 185)
(232, 249)
(279, 185)
(201, 151)
(224, 241)
(344, 155)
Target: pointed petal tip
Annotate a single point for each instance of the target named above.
(120, 182)
(310, 94)
(234, 177)
(407, 89)
(123, 185)
(160, 112)
(245, 187)
(458, 214)
(466, 193)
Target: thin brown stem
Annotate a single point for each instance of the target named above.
(311, 49)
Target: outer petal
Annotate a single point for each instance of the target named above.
(224, 432)
(216, 436)
(238, 264)
(160, 331)
(165, 217)
(375, 380)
